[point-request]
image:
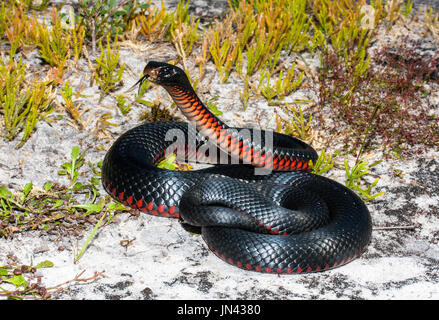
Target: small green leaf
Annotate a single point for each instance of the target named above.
(27, 188)
(168, 162)
(75, 176)
(77, 186)
(115, 206)
(84, 247)
(112, 4)
(45, 264)
(374, 196)
(18, 281)
(95, 181)
(120, 13)
(89, 207)
(5, 193)
(57, 204)
(75, 152)
(3, 272)
(212, 107)
(47, 186)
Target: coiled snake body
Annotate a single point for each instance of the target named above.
(287, 221)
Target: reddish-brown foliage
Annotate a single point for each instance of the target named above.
(388, 105)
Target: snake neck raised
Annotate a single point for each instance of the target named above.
(195, 111)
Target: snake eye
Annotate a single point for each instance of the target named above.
(153, 71)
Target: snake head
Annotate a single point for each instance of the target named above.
(164, 74)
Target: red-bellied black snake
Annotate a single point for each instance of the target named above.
(286, 221)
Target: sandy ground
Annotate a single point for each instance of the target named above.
(166, 262)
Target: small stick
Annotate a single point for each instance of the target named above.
(395, 228)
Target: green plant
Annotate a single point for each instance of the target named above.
(71, 168)
(122, 105)
(201, 59)
(260, 30)
(54, 43)
(155, 113)
(18, 28)
(39, 105)
(170, 163)
(184, 35)
(8, 201)
(380, 99)
(78, 34)
(355, 178)
(432, 22)
(25, 283)
(407, 8)
(71, 107)
(108, 71)
(12, 98)
(245, 94)
(283, 85)
(22, 104)
(214, 108)
(15, 275)
(29, 4)
(103, 18)
(393, 9)
(4, 13)
(153, 24)
(105, 210)
(337, 23)
(27, 210)
(298, 125)
(56, 206)
(323, 164)
(219, 53)
(103, 123)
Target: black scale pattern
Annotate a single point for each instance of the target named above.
(326, 224)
